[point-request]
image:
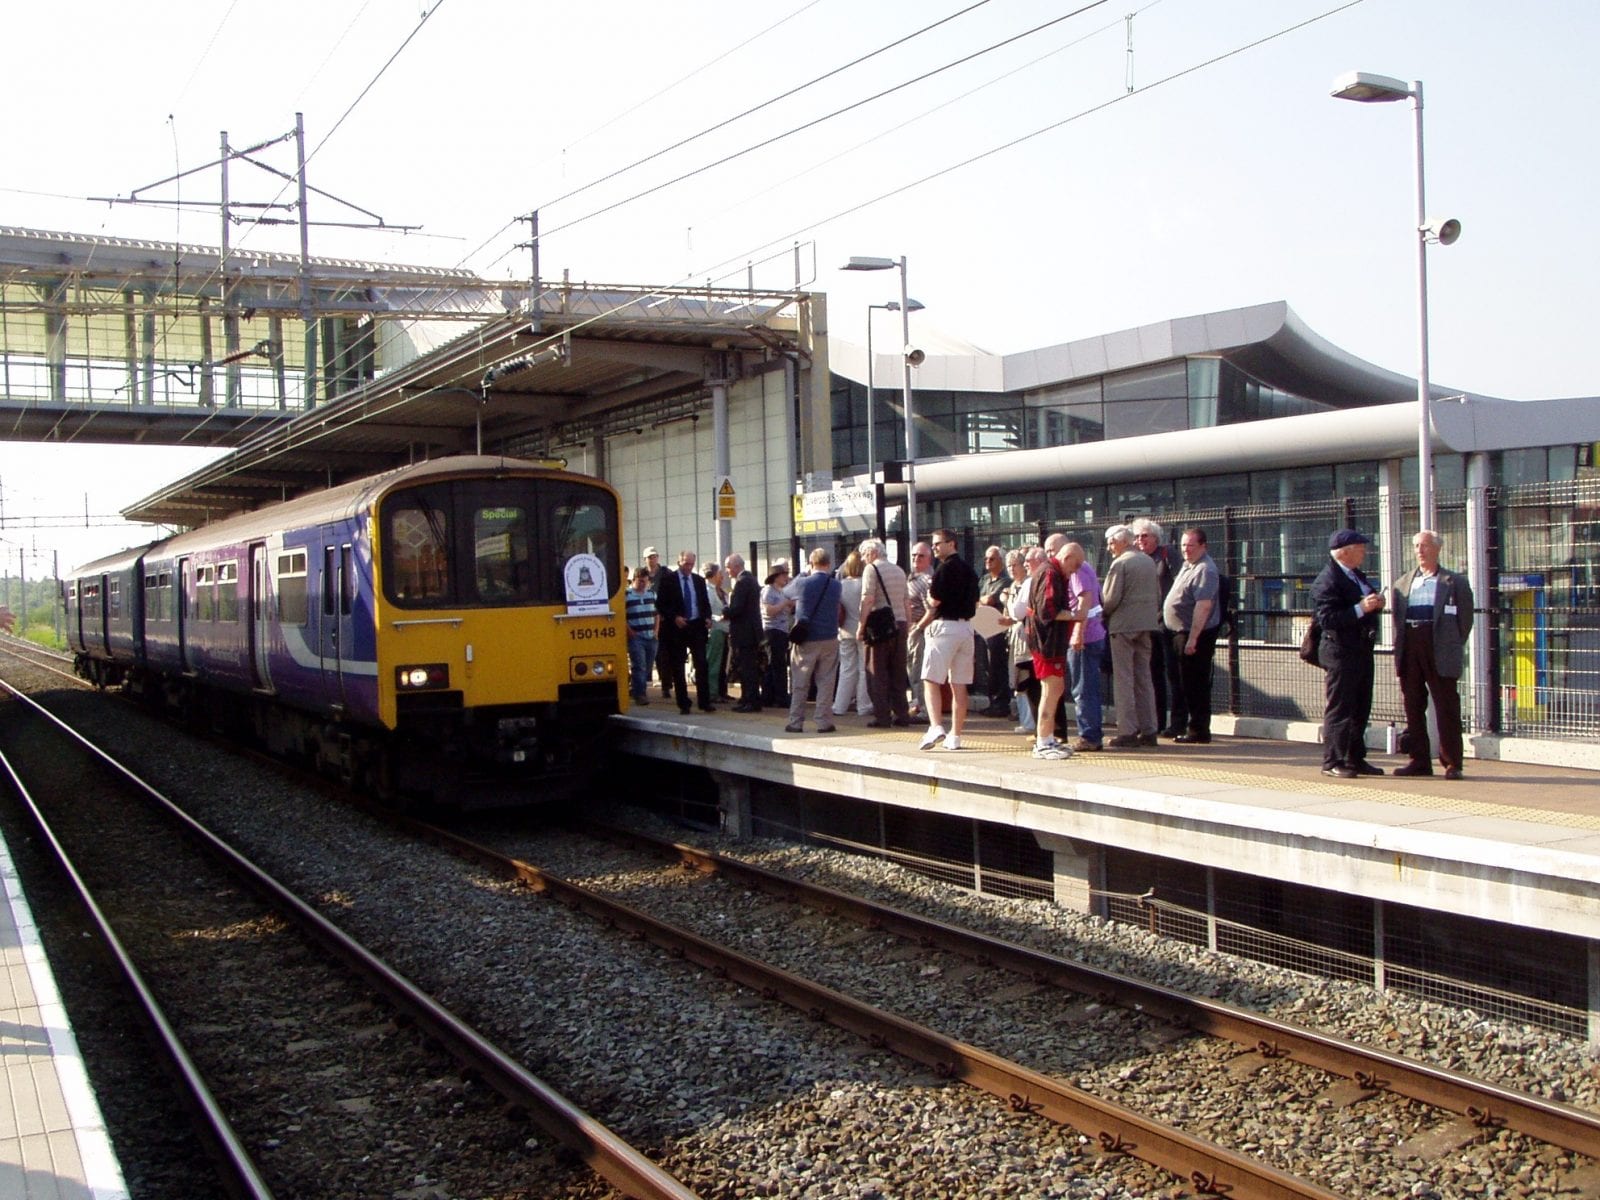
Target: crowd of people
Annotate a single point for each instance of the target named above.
(1037, 625)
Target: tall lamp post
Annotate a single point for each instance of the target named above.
(1365, 88)
(910, 356)
(872, 409)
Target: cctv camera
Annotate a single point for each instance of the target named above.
(914, 356)
(1444, 232)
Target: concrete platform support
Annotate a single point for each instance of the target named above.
(1079, 872)
(733, 803)
(1594, 993)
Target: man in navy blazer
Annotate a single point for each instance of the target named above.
(1432, 618)
(684, 606)
(1347, 607)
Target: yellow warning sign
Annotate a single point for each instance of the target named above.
(727, 500)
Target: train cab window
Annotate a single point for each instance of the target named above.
(292, 608)
(227, 591)
(582, 523)
(418, 530)
(502, 567)
(491, 542)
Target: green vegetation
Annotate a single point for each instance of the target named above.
(32, 610)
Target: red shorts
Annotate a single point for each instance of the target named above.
(1049, 668)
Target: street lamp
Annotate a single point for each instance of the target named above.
(909, 355)
(1366, 88)
(872, 421)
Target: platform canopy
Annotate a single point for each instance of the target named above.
(570, 363)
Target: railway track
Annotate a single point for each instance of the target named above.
(1204, 1051)
(1284, 1060)
(341, 1053)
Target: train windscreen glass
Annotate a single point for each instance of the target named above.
(495, 542)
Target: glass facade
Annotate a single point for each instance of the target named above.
(1163, 398)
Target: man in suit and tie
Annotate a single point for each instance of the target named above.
(1347, 608)
(743, 614)
(1432, 618)
(684, 607)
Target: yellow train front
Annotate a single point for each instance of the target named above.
(501, 641)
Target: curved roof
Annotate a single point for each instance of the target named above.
(1267, 341)
(1388, 431)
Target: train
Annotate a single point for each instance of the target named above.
(452, 630)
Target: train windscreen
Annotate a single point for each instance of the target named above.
(497, 542)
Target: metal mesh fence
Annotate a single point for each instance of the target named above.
(1523, 1000)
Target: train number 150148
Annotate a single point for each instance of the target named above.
(584, 633)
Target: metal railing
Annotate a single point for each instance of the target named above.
(1542, 558)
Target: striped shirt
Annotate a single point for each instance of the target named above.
(642, 612)
(893, 585)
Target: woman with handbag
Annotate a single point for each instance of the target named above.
(882, 629)
(814, 643)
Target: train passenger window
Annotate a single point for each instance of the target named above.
(153, 598)
(347, 580)
(292, 608)
(227, 591)
(205, 593)
(502, 568)
(418, 526)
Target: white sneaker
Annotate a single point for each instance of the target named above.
(953, 742)
(932, 737)
(1053, 750)
(1027, 729)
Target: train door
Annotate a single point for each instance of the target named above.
(334, 627)
(257, 607)
(183, 613)
(103, 623)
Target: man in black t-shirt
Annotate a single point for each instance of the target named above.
(952, 599)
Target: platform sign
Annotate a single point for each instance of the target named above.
(727, 500)
(835, 510)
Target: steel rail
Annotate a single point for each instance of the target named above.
(1488, 1105)
(236, 1168)
(22, 657)
(606, 1154)
(1209, 1169)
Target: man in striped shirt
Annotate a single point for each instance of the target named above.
(642, 634)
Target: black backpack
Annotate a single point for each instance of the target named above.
(1225, 603)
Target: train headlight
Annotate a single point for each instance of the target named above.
(593, 668)
(422, 678)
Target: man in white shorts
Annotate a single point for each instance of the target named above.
(952, 600)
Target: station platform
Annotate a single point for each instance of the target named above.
(53, 1143)
(1512, 842)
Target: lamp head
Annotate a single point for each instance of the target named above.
(1367, 88)
(1445, 232)
(858, 263)
(911, 306)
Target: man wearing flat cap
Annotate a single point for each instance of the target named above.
(1346, 606)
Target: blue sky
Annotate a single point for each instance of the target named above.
(1207, 187)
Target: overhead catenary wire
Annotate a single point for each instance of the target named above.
(682, 79)
(826, 117)
(928, 112)
(768, 103)
(311, 436)
(1012, 143)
